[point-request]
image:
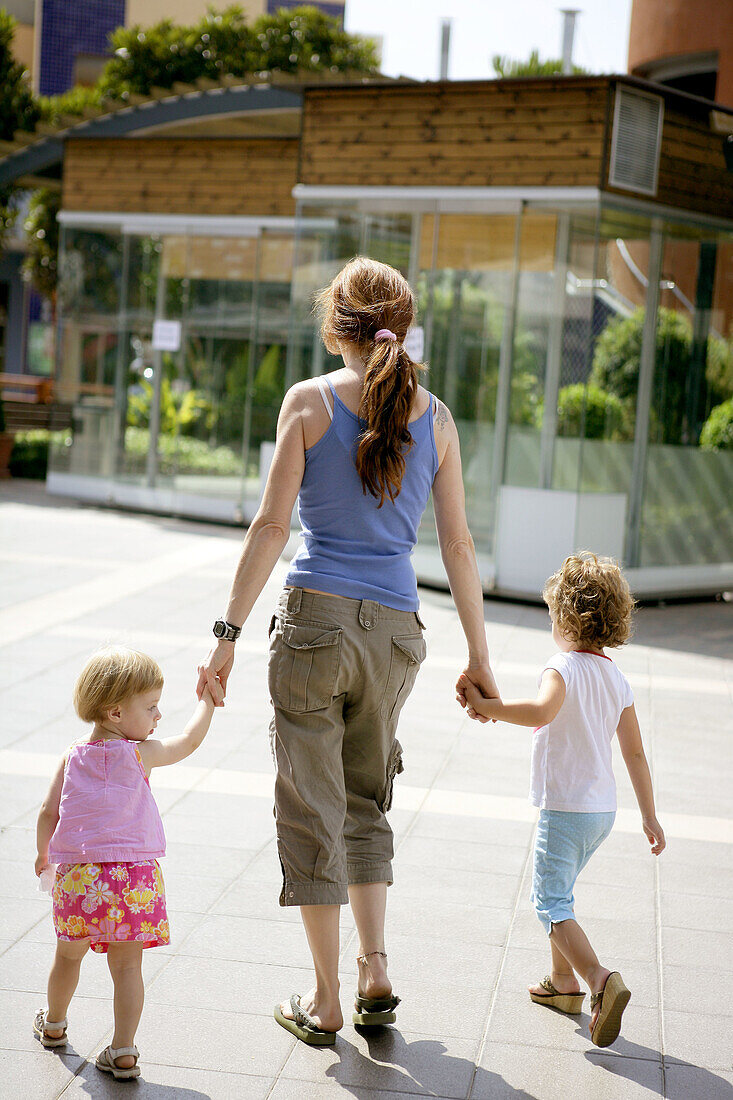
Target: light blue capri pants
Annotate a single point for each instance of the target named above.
(563, 845)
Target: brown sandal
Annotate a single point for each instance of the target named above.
(572, 1003)
(613, 999)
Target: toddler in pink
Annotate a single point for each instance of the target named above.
(100, 825)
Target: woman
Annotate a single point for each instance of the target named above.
(361, 448)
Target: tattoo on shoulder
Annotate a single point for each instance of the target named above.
(441, 416)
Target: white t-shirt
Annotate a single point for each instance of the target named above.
(571, 755)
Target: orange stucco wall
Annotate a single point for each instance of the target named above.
(674, 28)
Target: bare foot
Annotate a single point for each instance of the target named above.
(373, 981)
(563, 983)
(125, 1061)
(327, 1015)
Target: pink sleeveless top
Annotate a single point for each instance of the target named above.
(107, 812)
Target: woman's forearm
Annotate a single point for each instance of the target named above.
(263, 546)
(459, 559)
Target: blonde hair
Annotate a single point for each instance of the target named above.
(590, 601)
(111, 676)
(364, 297)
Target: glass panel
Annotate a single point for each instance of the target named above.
(687, 516)
(538, 337)
(467, 297)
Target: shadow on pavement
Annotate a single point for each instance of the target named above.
(423, 1065)
(102, 1086)
(626, 1065)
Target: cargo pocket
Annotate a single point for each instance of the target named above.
(306, 658)
(408, 653)
(394, 767)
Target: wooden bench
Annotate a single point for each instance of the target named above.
(26, 388)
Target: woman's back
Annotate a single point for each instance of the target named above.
(353, 545)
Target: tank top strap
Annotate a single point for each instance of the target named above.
(322, 391)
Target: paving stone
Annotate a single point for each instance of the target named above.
(701, 1040)
(36, 1075)
(390, 1060)
(203, 1039)
(684, 1082)
(514, 1072)
(165, 1082)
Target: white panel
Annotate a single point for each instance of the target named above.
(535, 533)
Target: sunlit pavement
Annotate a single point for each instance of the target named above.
(462, 939)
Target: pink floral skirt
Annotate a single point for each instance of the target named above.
(110, 903)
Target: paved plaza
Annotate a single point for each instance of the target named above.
(462, 939)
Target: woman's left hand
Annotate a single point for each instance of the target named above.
(214, 672)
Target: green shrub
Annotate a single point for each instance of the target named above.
(717, 432)
(29, 457)
(180, 454)
(590, 411)
(617, 358)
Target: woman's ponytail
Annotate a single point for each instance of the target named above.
(364, 297)
(390, 385)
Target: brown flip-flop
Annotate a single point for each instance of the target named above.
(572, 1003)
(613, 999)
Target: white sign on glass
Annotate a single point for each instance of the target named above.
(414, 343)
(166, 335)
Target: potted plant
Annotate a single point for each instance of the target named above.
(7, 439)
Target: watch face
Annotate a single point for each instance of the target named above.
(219, 628)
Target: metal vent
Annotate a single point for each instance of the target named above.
(636, 142)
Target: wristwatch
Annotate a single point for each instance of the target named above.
(225, 631)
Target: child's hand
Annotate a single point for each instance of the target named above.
(207, 695)
(41, 864)
(654, 835)
(468, 695)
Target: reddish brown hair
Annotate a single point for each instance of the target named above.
(367, 296)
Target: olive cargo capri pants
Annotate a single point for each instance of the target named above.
(339, 673)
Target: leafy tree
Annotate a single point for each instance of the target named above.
(505, 67)
(616, 363)
(299, 40)
(18, 108)
(42, 234)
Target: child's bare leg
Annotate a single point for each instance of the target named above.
(63, 980)
(125, 961)
(562, 975)
(574, 945)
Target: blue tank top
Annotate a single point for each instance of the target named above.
(351, 547)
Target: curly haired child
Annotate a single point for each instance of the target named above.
(99, 823)
(583, 700)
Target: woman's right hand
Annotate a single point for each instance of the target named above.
(482, 678)
(214, 672)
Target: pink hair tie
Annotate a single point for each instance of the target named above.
(384, 334)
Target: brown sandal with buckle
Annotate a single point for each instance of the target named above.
(613, 999)
(374, 1011)
(572, 1003)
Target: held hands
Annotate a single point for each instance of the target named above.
(654, 834)
(475, 688)
(214, 672)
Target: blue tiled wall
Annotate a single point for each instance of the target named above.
(70, 27)
(329, 9)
